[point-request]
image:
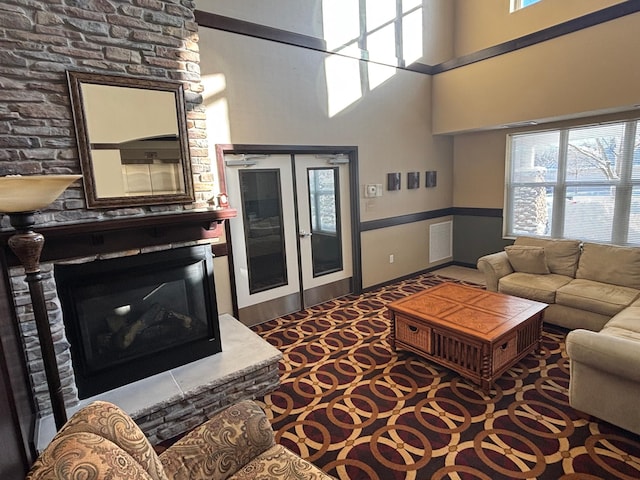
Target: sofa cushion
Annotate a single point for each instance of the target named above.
(598, 297)
(541, 288)
(527, 259)
(627, 319)
(227, 441)
(610, 264)
(621, 333)
(562, 255)
(279, 462)
(85, 455)
(109, 421)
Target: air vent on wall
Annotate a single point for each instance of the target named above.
(440, 241)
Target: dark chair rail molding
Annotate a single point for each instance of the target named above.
(478, 212)
(242, 27)
(421, 216)
(404, 219)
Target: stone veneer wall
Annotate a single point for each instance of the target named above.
(165, 421)
(31, 344)
(40, 40)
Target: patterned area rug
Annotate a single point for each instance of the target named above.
(359, 410)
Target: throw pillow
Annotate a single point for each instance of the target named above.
(527, 259)
(610, 264)
(562, 254)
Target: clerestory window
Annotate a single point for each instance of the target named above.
(581, 183)
(519, 4)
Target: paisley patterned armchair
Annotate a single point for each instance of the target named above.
(102, 442)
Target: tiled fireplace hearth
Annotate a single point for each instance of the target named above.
(164, 404)
(175, 401)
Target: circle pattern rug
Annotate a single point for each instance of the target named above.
(360, 410)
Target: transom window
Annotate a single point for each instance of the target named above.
(518, 4)
(581, 183)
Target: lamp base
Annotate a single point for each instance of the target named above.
(27, 246)
(22, 220)
(25, 243)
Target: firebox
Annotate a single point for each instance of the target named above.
(131, 317)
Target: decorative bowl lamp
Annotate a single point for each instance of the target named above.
(20, 198)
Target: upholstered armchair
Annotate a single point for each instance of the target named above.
(102, 442)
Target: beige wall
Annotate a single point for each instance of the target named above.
(596, 70)
(304, 17)
(479, 160)
(279, 94)
(223, 285)
(409, 245)
(565, 84)
(486, 23)
(439, 18)
(309, 17)
(478, 169)
(262, 92)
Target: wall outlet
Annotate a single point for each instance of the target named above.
(391, 258)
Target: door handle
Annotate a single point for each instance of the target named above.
(303, 234)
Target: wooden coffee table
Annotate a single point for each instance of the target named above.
(476, 333)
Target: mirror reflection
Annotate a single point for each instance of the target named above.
(132, 140)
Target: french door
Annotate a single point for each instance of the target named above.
(291, 241)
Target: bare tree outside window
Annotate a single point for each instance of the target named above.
(591, 181)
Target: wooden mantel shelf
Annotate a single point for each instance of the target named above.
(80, 239)
(205, 218)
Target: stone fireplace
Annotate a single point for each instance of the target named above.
(178, 395)
(150, 39)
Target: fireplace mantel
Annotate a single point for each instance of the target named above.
(112, 235)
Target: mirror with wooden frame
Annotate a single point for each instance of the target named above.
(132, 140)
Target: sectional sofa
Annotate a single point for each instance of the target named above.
(594, 291)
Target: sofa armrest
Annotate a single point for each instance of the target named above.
(85, 455)
(110, 422)
(219, 447)
(615, 355)
(494, 266)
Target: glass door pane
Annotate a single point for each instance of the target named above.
(326, 234)
(263, 226)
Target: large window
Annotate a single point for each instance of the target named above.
(581, 183)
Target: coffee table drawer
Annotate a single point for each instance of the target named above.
(413, 333)
(505, 351)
